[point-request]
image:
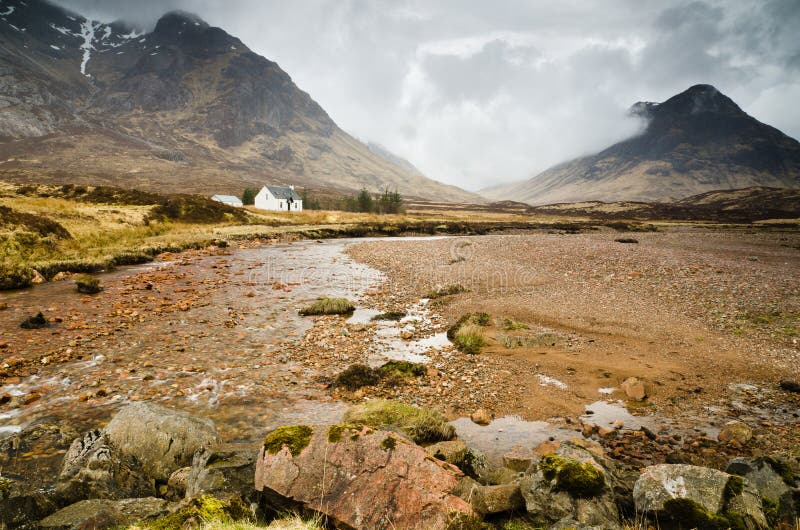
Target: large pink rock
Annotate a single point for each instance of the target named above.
(364, 478)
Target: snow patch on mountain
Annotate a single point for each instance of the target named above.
(87, 32)
(10, 10)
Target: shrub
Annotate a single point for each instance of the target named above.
(356, 376)
(422, 425)
(626, 240)
(479, 319)
(15, 276)
(87, 284)
(195, 209)
(390, 315)
(329, 306)
(513, 325)
(402, 369)
(469, 338)
(445, 291)
(35, 322)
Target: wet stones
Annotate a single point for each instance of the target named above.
(481, 417)
(22, 505)
(223, 470)
(104, 513)
(735, 432)
(162, 439)
(634, 388)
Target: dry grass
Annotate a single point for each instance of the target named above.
(470, 338)
(329, 306)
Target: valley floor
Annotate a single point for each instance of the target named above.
(708, 319)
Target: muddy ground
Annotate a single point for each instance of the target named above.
(707, 318)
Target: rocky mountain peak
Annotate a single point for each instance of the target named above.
(177, 22)
(700, 99)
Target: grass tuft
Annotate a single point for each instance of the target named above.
(422, 425)
(329, 306)
(15, 276)
(448, 290)
(87, 284)
(470, 338)
(390, 315)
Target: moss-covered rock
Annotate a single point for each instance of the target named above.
(422, 425)
(390, 315)
(201, 510)
(577, 478)
(356, 376)
(37, 321)
(295, 437)
(401, 369)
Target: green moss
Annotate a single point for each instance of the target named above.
(335, 433)
(771, 511)
(203, 509)
(295, 437)
(390, 315)
(579, 479)
(356, 376)
(422, 425)
(388, 443)
(689, 513)
(329, 306)
(402, 369)
(5, 487)
(734, 487)
(781, 468)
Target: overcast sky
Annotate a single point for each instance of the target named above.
(476, 93)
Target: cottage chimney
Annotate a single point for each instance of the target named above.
(291, 186)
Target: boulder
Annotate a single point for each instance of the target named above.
(664, 482)
(472, 462)
(735, 432)
(774, 482)
(92, 469)
(163, 440)
(694, 496)
(570, 489)
(21, 506)
(634, 388)
(519, 459)
(104, 513)
(223, 470)
(360, 477)
(487, 500)
(481, 417)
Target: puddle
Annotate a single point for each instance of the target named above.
(503, 434)
(363, 315)
(605, 414)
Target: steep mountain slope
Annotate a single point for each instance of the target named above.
(694, 142)
(186, 107)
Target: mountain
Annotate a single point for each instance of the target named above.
(184, 108)
(695, 142)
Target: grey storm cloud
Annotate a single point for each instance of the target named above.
(479, 93)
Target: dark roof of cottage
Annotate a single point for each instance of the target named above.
(284, 192)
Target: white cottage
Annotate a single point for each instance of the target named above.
(230, 200)
(279, 198)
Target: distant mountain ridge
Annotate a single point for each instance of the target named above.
(186, 107)
(695, 142)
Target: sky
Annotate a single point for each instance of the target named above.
(478, 93)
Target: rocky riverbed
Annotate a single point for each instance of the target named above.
(706, 321)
